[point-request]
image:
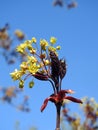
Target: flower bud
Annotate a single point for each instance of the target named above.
(21, 84)
(31, 84)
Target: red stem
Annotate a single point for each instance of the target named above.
(58, 109)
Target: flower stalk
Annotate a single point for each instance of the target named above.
(58, 110)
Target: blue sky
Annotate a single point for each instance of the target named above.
(76, 31)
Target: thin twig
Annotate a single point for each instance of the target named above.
(52, 86)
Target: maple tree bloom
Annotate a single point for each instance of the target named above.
(33, 68)
(59, 98)
(21, 48)
(43, 44)
(24, 66)
(31, 59)
(51, 48)
(28, 42)
(21, 84)
(38, 62)
(53, 40)
(47, 62)
(31, 84)
(33, 51)
(34, 40)
(58, 47)
(16, 75)
(29, 47)
(20, 35)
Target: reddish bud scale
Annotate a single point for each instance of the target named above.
(41, 76)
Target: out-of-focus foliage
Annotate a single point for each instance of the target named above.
(7, 46)
(10, 94)
(88, 120)
(68, 3)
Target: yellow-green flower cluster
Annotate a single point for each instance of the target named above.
(30, 66)
(43, 44)
(21, 48)
(17, 74)
(34, 40)
(33, 68)
(37, 60)
(89, 104)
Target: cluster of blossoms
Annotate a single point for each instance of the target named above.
(90, 109)
(76, 122)
(43, 64)
(38, 61)
(5, 40)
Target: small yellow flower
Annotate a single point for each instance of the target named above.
(20, 35)
(58, 47)
(28, 42)
(32, 59)
(34, 40)
(51, 48)
(53, 40)
(47, 62)
(21, 84)
(33, 51)
(17, 74)
(29, 47)
(33, 68)
(21, 48)
(23, 66)
(31, 84)
(43, 44)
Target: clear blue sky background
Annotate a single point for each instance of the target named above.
(77, 33)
